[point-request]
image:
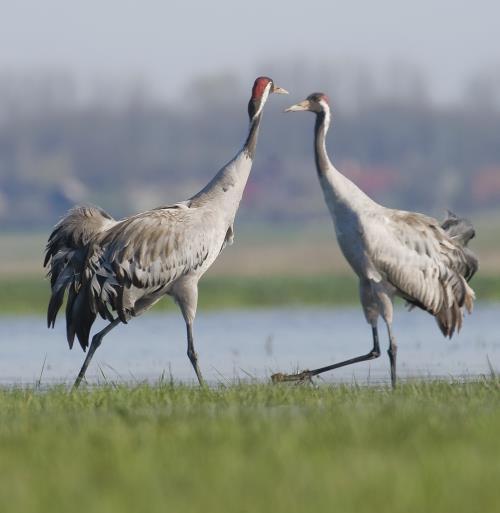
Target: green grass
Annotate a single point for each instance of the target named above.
(428, 447)
(30, 295)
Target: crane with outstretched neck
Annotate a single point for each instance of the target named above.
(119, 269)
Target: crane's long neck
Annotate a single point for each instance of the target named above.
(225, 190)
(321, 126)
(253, 133)
(341, 195)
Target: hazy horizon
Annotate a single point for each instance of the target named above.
(164, 46)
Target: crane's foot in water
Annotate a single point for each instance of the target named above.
(300, 378)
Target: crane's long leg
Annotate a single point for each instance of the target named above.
(308, 374)
(193, 357)
(185, 293)
(96, 342)
(392, 352)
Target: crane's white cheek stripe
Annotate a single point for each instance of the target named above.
(263, 99)
(326, 110)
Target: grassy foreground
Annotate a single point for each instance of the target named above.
(30, 295)
(427, 447)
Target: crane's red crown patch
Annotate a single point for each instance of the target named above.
(259, 86)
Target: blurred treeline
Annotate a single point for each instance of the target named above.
(124, 148)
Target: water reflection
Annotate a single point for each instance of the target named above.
(250, 344)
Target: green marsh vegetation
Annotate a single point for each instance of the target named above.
(428, 446)
(30, 295)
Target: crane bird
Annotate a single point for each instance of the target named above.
(119, 269)
(393, 252)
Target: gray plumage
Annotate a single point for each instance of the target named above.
(119, 269)
(393, 252)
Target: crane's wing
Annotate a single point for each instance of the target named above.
(427, 267)
(66, 252)
(145, 253)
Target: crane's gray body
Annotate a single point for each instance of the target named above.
(395, 252)
(127, 266)
(167, 250)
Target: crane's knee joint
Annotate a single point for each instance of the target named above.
(375, 353)
(96, 341)
(192, 355)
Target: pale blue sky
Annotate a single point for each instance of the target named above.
(167, 42)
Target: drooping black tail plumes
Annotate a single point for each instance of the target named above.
(66, 254)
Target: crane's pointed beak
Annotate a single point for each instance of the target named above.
(304, 105)
(279, 90)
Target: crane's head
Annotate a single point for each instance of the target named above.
(262, 88)
(316, 102)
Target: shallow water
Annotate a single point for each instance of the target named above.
(234, 345)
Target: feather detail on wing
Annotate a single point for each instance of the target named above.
(428, 268)
(142, 255)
